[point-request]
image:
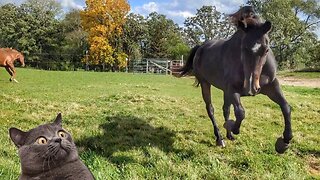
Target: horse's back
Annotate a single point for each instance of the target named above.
(6, 54)
(3, 56)
(208, 62)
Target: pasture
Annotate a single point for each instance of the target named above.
(138, 126)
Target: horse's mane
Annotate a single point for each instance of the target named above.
(245, 15)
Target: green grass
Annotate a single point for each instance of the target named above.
(305, 75)
(135, 126)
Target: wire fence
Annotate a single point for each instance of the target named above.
(72, 62)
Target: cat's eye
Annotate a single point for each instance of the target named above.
(62, 134)
(42, 140)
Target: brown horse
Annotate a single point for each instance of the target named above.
(7, 58)
(240, 66)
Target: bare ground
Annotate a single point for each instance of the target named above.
(294, 81)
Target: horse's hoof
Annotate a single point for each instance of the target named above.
(220, 143)
(281, 146)
(235, 130)
(230, 137)
(229, 125)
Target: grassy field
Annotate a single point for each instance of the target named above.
(135, 126)
(303, 75)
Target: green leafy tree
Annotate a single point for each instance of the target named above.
(31, 28)
(164, 37)
(39, 28)
(207, 24)
(313, 61)
(8, 25)
(293, 24)
(134, 33)
(74, 38)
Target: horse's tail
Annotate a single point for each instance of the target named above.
(187, 68)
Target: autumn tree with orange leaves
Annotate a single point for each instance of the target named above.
(103, 21)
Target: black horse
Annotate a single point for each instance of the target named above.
(241, 66)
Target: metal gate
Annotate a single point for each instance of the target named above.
(155, 66)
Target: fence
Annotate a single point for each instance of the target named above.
(46, 61)
(155, 66)
(72, 62)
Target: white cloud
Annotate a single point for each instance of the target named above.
(70, 4)
(11, 1)
(66, 4)
(147, 8)
(183, 14)
(179, 10)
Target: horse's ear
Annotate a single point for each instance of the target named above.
(242, 26)
(17, 136)
(58, 120)
(266, 27)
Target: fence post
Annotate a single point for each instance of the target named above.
(166, 67)
(147, 66)
(181, 62)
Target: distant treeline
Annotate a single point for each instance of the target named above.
(51, 39)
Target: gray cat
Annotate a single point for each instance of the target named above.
(48, 152)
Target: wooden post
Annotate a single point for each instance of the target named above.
(171, 65)
(167, 67)
(147, 66)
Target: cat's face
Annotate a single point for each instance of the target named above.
(45, 147)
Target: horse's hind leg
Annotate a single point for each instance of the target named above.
(10, 72)
(274, 92)
(226, 115)
(206, 94)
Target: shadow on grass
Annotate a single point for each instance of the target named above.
(124, 133)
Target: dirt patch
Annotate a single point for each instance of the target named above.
(293, 81)
(314, 165)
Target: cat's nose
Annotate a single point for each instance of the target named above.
(58, 140)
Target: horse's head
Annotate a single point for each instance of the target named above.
(246, 15)
(21, 59)
(254, 49)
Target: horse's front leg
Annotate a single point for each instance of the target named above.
(12, 72)
(274, 92)
(206, 94)
(226, 114)
(238, 112)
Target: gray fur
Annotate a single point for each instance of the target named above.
(57, 159)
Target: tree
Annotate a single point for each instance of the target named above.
(313, 61)
(207, 24)
(135, 30)
(163, 37)
(293, 22)
(103, 21)
(31, 28)
(74, 39)
(8, 23)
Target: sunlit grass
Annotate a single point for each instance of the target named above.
(307, 75)
(135, 126)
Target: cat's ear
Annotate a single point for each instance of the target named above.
(17, 136)
(58, 120)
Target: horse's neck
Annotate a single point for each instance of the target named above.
(236, 38)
